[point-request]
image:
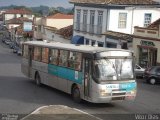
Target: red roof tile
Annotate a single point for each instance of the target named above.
(66, 32)
(19, 20)
(120, 2)
(18, 11)
(155, 24)
(60, 16)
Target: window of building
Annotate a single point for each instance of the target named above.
(29, 16)
(111, 45)
(93, 42)
(85, 12)
(87, 41)
(92, 14)
(39, 28)
(63, 58)
(25, 51)
(122, 20)
(74, 60)
(100, 44)
(45, 52)
(53, 57)
(35, 28)
(147, 19)
(100, 22)
(78, 19)
(92, 19)
(37, 54)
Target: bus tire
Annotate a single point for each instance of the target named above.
(76, 94)
(38, 79)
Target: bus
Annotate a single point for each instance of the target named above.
(94, 74)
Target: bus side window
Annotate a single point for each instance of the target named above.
(78, 61)
(53, 56)
(63, 58)
(74, 60)
(37, 54)
(71, 60)
(45, 52)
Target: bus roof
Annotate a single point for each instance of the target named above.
(80, 48)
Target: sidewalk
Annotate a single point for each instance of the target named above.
(59, 112)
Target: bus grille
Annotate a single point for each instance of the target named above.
(118, 98)
(117, 94)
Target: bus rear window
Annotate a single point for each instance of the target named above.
(25, 51)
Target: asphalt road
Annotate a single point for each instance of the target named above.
(20, 95)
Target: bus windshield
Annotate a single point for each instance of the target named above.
(113, 69)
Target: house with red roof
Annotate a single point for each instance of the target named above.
(18, 27)
(46, 28)
(16, 13)
(15, 22)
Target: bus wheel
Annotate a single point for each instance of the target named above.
(76, 94)
(38, 79)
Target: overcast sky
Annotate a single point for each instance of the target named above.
(50, 3)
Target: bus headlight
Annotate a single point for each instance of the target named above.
(133, 92)
(103, 92)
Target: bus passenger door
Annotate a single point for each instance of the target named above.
(30, 54)
(87, 78)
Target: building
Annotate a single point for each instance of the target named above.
(94, 17)
(146, 44)
(1, 16)
(18, 27)
(16, 13)
(15, 22)
(47, 28)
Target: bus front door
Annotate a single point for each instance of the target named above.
(30, 51)
(87, 78)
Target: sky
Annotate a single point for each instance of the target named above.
(33, 3)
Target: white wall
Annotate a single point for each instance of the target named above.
(135, 17)
(9, 16)
(59, 23)
(38, 20)
(12, 26)
(113, 21)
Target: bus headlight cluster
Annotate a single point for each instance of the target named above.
(103, 92)
(133, 92)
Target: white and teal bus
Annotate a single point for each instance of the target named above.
(95, 74)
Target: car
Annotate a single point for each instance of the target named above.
(12, 45)
(7, 42)
(139, 71)
(19, 52)
(15, 49)
(152, 75)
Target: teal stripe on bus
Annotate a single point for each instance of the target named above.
(65, 73)
(128, 86)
